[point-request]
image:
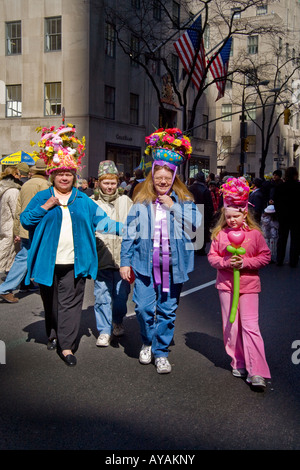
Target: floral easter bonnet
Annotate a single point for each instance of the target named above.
(236, 194)
(60, 148)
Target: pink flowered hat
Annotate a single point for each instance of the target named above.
(236, 193)
(60, 148)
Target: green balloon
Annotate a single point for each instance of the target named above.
(236, 282)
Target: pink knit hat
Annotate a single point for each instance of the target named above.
(236, 193)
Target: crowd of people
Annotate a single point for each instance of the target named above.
(119, 230)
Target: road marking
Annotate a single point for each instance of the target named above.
(195, 289)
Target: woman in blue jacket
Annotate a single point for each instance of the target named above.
(157, 245)
(62, 222)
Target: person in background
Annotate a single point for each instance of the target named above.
(138, 178)
(17, 273)
(9, 193)
(275, 181)
(256, 199)
(84, 187)
(287, 206)
(202, 195)
(24, 172)
(110, 290)
(270, 227)
(157, 245)
(242, 338)
(62, 221)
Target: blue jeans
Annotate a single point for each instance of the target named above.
(18, 270)
(111, 295)
(156, 312)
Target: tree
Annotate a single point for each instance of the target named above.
(146, 33)
(268, 80)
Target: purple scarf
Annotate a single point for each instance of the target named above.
(161, 238)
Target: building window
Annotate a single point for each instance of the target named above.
(109, 101)
(262, 10)
(110, 40)
(52, 106)
(225, 144)
(206, 37)
(134, 109)
(236, 13)
(13, 101)
(252, 44)
(175, 66)
(13, 38)
(226, 112)
(157, 10)
(176, 15)
(53, 34)
(250, 111)
(205, 126)
(134, 50)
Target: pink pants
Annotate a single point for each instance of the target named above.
(242, 339)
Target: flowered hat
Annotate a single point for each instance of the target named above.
(168, 145)
(107, 167)
(236, 193)
(60, 148)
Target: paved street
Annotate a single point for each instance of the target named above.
(111, 402)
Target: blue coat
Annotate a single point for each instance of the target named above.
(44, 230)
(137, 242)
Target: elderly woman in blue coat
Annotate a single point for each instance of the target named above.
(157, 245)
(62, 222)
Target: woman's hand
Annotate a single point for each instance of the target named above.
(52, 201)
(236, 262)
(166, 200)
(125, 273)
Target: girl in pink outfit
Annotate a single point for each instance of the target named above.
(242, 338)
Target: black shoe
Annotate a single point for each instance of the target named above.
(70, 359)
(52, 344)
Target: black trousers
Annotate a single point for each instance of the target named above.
(63, 306)
(286, 228)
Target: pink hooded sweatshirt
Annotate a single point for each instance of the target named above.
(257, 255)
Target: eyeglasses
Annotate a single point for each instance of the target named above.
(159, 179)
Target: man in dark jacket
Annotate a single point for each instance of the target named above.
(256, 199)
(287, 206)
(202, 195)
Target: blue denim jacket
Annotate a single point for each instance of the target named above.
(44, 229)
(137, 243)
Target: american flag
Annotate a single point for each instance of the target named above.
(187, 46)
(219, 67)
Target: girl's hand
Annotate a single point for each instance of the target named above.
(166, 200)
(52, 201)
(236, 262)
(125, 273)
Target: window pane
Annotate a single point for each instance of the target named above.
(110, 40)
(134, 109)
(52, 99)
(226, 112)
(13, 101)
(109, 102)
(13, 38)
(53, 34)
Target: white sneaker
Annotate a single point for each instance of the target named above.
(145, 356)
(118, 329)
(239, 372)
(103, 340)
(256, 381)
(162, 365)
